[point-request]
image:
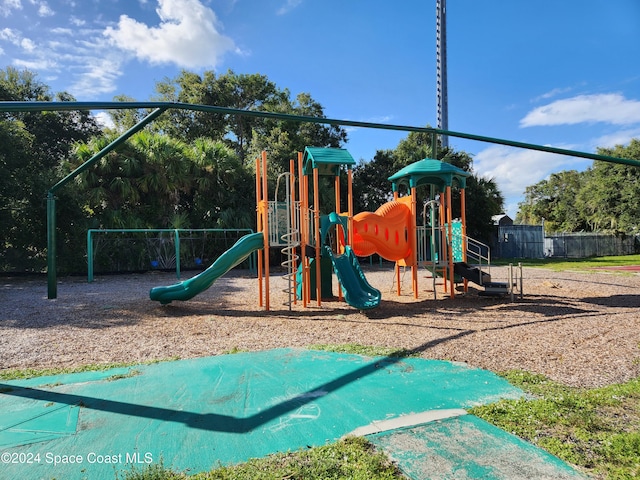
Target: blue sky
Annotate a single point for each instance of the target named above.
(561, 73)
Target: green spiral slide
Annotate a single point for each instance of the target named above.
(188, 289)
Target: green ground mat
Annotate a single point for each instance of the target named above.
(197, 414)
(466, 447)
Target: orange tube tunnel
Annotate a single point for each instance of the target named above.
(387, 231)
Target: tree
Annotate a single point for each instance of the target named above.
(220, 193)
(155, 181)
(283, 139)
(240, 91)
(370, 186)
(610, 192)
(602, 198)
(246, 135)
(553, 202)
(34, 146)
(125, 118)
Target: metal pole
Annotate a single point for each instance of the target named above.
(177, 246)
(89, 256)
(441, 69)
(52, 284)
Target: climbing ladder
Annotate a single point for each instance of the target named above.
(284, 231)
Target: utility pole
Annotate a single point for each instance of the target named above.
(441, 69)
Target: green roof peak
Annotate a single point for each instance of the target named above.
(326, 160)
(429, 172)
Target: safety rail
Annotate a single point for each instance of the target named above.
(474, 249)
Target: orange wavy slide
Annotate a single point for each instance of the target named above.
(387, 232)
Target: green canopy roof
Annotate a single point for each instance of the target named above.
(326, 160)
(429, 172)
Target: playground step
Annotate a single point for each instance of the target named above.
(473, 274)
(495, 288)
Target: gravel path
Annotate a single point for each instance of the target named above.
(579, 328)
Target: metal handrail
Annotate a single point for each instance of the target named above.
(474, 249)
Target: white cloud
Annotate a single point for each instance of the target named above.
(34, 65)
(91, 66)
(44, 10)
(78, 22)
(61, 31)
(27, 44)
(7, 6)
(10, 35)
(98, 75)
(104, 119)
(621, 137)
(611, 108)
(187, 36)
(551, 93)
(16, 38)
(288, 6)
(514, 169)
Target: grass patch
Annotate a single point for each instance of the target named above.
(234, 350)
(596, 429)
(132, 373)
(365, 350)
(560, 264)
(26, 373)
(353, 458)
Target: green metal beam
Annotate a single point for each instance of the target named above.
(61, 106)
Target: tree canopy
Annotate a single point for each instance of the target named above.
(603, 198)
(32, 147)
(187, 169)
(247, 136)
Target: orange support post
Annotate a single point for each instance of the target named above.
(316, 217)
(259, 225)
(304, 230)
(266, 228)
(397, 267)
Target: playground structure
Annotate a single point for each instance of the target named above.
(158, 108)
(316, 242)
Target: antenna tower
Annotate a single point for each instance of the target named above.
(441, 69)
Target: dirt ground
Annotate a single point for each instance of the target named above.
(579, 328)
